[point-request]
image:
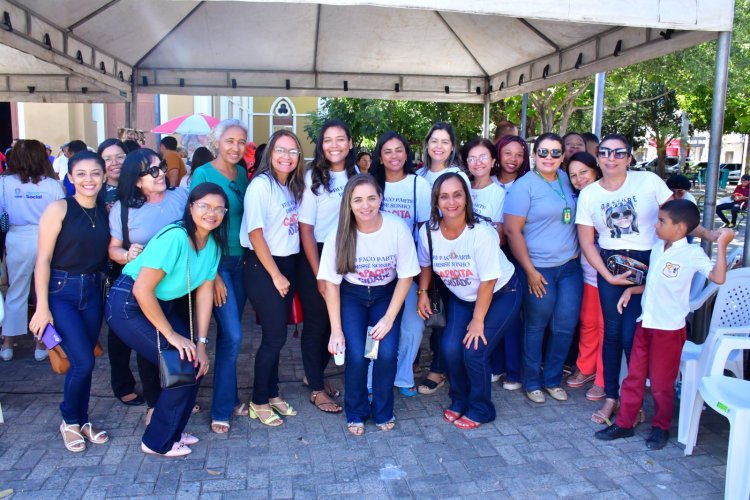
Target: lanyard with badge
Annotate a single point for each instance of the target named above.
(567, 213)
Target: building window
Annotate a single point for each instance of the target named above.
(282, 115)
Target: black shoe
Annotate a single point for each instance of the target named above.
(614, 431)
(657, 439)
(136, 401)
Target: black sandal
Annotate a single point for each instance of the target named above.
(429, 386)
(136, 401)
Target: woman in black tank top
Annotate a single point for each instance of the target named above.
(73, 239)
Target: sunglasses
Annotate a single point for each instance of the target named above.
(619, 153)
(544, 153)
(154, 171)
(624, 213)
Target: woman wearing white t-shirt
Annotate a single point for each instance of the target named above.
(622, 208)
(270, 232)
(406, 195)
(368, 266)
(484, 297)
(487, 196)
(318, 216)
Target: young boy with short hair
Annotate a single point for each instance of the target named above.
(660, 332)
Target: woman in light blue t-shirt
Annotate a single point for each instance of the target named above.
(141, 308)
(539, 215)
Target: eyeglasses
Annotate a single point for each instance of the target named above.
(111, 160)
(292, 153)
(544, 153)
(473, 160)
(619, 153)
(624, 213)
(154, 170)
(204, 208)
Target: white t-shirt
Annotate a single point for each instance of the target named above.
(506, 187)
(465, 262)
(25, 202)
(398, 199)
(625, 218)
(381, 257)
(589, 273)
(321, 210)
(689, 197)
(431, 177)
(666, 298)
(60, 165)
(272, 208)
(488, 201)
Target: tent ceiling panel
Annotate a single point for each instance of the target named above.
(568, 34)
(20, 63)
(65, 14)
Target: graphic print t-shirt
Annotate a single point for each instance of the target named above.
(321, 209)
(431, 177)
(398, 199)
(625, 218)
(381, 257)
(488, 201)
(465, 262)
(271, 207)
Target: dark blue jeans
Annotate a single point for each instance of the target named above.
(438, 364)
(468, 368)
(506, 358)
(228, 337)
(363, 306)
(559, 309)
(75, 301)
(317, 327)
(173, 408)
(619, 329)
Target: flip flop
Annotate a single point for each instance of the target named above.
(451, 416)
(466, 423)
(240, 411)
(333, 406)
(221, 424)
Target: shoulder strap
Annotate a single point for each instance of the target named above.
(414, 214)
(429, 243)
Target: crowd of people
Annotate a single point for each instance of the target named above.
(518, 264)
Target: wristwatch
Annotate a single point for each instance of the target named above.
(203, 340)
(420, 291)
(127, 259)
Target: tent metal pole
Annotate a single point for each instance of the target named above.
(685, 123)
(524, 108)
(721, 75)
(596, 124)
(486, 117)
(132, 109)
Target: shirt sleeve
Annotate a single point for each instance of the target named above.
(198, 177)
(407, 265)
(166, 251)
(518, 201)
(115, 222)
(308, 208)
(327, 269)
(662, 192)
(423, 251)
(701, 262)
(257, 199)
(583, 214)
(487, 253)
(423, 200)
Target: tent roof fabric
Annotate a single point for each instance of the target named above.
(407, 49)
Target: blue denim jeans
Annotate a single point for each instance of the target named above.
(363, 306)
(468, 368)
(75, 301)
(559, 309)
(412, 327)
(619, 329)
(173, 408)
(228, 337)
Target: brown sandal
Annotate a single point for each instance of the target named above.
(604, 414)
(325, 406)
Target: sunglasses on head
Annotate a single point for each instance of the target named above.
(619, 153)
(153, 170)
(544, 153)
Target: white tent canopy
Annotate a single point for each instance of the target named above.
(91, 50)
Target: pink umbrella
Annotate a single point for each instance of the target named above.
(197, 124)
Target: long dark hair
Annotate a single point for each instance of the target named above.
(377, 169)
(129, 194)
(321, 167)
(435, 217)
(296, 180)
(346, 237)
(502, 143)
(454, 158)
(220, 233)
(201, 156)
(29, 161)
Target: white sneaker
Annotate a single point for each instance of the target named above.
(495, 378)
(509, 385)
(40, 354)
(6, 353)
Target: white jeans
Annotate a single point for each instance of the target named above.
(21, 246)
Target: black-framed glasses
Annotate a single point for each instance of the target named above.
(619, 153)
(624, 213)
(203, 208)
(544, 153)
(153, 170)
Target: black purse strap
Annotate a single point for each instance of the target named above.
(124, 223)
(414, 215)
(429, 245)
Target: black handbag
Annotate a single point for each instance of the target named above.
(437, 318)
(173, 371)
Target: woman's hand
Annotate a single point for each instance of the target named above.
(423, 306)
(620, 279)
(536, 284)
(281, 284)
(220, 291)
(474, 332)
(201, 361)
(381, 328)
(184, 346)
(624, 300)
(336, 342)
(39, 321)
(134, 251)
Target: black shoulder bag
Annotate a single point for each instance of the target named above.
(437, 318)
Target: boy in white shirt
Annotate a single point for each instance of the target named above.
(660, 332)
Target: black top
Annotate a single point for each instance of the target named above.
(81, 248)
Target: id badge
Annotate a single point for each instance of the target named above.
(567, 215)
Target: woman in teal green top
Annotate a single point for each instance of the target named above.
(228, 140)
(182, 257)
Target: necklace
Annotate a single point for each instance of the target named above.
(567, 214)
(92, 220)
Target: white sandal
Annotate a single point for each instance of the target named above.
(75, 445)
(100, 437)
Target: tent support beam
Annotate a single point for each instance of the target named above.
(486, 117)
(98, 11)
(596, 125)
(524, 114)
(461, 42)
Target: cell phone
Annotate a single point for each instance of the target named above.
(50, 337)
(636, 275)
(371, 345)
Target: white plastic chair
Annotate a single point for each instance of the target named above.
(731, 316)
(700, 291)
(731, 398)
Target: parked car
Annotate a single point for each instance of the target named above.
(671, 165)
(735, 171)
